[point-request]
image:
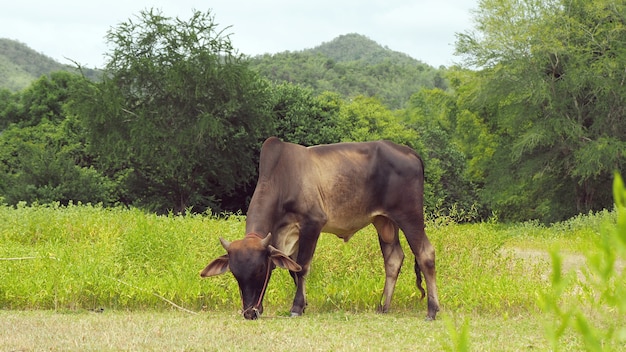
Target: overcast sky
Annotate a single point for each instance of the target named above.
(423, 29)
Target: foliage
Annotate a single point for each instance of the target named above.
(551, 89)
(528, 128)
(43, 155)
(594, 306)
(367, 119)
(301, 117)
(179, 116)
(434, 115)
(40, 164)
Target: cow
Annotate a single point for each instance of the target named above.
(334, 188)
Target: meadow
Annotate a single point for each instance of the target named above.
(84, 277)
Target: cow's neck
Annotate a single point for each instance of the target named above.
(260, 216)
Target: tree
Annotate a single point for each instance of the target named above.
(434, 115)
(43, 100)
(367, 119)
(551, 86)
(302, 118)
(43, 156)
(179, 115)
(42, 164)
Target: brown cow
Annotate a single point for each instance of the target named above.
(337, 188)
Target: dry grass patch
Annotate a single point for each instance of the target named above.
(341, 331)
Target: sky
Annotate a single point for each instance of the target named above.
(75, 30)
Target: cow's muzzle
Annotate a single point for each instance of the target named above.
(252, 313)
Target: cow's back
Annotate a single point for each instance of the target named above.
(356, 182)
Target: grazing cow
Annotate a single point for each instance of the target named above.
(336, 188)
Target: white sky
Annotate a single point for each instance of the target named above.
(423, 29)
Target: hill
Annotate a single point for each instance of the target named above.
(20, 65)
(352, 65)
(356, 47)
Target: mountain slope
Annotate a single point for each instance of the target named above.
(356, 47)
(21, 65)
(352, 65)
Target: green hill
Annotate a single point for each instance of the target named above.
(352, 65)
(356, 47)
(21, 65)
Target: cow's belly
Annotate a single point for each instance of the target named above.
(345, 226)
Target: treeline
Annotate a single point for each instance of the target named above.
(532, 128)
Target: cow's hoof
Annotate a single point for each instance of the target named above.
(294, 314)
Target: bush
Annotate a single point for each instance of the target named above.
(593, 304)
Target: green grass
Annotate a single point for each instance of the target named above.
(81, 258)
(84, 257)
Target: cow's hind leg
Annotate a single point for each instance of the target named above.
(393, 257)
(413, 228)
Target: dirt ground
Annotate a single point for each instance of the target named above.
(570, 261)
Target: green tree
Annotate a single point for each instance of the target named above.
(45, 163)
(8, 108)
(179, 116)
(434, 115)
(43, 100)
(551, 88)
(43, 156)
(302, 118)
(367, 119)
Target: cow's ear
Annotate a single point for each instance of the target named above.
(216, 267)
(282, 260)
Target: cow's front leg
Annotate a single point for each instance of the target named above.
(306, 248)
(299, 301)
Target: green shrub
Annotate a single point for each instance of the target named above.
(593, 304)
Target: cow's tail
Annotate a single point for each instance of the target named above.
(418, 279)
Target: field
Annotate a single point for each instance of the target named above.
(88, 278)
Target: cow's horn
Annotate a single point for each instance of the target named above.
(224, 243)
(266, 241)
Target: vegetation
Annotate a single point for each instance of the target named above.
(178, 119)
(20, 66)
(86, 258)
(591, 313)
(550, 94)
(527, 129)
(352, 65)
(227, 331)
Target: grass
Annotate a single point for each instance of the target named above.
(58, 264)
(226, 331)
(84, 257)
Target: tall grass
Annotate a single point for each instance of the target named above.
(88, 257)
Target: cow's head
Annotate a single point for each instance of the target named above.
(251, 260)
